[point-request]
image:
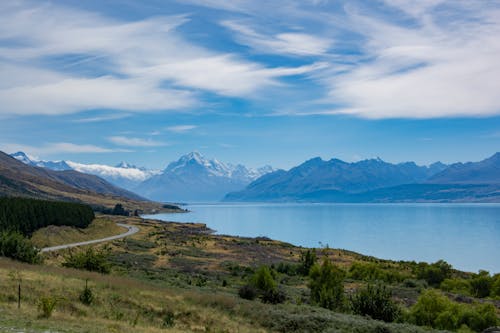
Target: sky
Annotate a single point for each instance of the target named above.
(252, 82)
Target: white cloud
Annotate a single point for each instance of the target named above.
(440, 67)
(57, 148)
(113, 172)
(181, 128)
(135, 142)
(294, 43)
(138, 65)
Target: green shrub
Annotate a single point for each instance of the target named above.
(90, 260)
(275, 296)
(436, 310)
(458, 286)
(376, 302)
(307, 260)
(326, 284)
(248, 292)
(16, 246)
(168, 319)
(434, 273)
(46, 306)
(371, 272)
(495, 286)
(86, 296)
(263, 279)
(480, 285)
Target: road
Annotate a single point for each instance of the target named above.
(131, 230)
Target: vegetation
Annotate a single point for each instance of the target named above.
(15, 246)
(375, 302)
(90, 260)
(326, 284)
(179, 277)
(28, 215)
(435, 310)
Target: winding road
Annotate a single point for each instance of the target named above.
(131, 230)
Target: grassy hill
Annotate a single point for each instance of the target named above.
(19, 179)
(178, 277)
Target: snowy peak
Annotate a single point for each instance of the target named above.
(30, 160)
(195, 162)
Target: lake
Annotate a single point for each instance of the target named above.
(465, 235)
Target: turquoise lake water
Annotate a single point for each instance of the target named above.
(465, 235)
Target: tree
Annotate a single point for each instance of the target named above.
(307, 260)
(376, 302)
(326, 284)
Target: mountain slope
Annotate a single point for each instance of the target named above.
(122, 175)
(19, 179)
(196, 178)
(484, 172)
(334, 176)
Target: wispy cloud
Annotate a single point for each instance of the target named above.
(103, 118)
(135, 142)
(181, 128)
(145, 63)
(294, 43)
(57, 148)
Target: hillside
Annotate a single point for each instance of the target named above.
(19, 179)
(378, 181)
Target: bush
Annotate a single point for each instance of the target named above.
(434, 273)
(436, 310)
(371, 272)
(307, 260)
(86, 296)
(495, 286)
(90, 260)
(458, 286)
(16, 246)
(168, 319)
(247, 292)
(480, 285)
(326, 284)
(46, 306)
(263, 279)
(273, 296)
(376, 302)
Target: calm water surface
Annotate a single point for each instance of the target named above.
(465, 235)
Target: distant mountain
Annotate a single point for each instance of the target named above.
(53, 165)
(317, 177)
(122, 175)
(21, 179)
(196, 178)
(483, 172)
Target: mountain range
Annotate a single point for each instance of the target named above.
(22, 179)
(374, 180)
(192, 177)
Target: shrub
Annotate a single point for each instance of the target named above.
(16, 246)
(371, 272)
(86, 296)
(436, 310)
(480, 285)
(263, 279)
(168, 319)
(326, 284)
(46, 306)
(247, 292)
(275, 296)
(376, 302)
(434, 273)
(307, 260)
(90, 260)
(458, 286)
(495, 286)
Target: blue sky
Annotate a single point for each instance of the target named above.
(256, 82)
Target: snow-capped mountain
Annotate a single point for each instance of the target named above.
(196, 178)
(191, 178)
(30, 160)
(123, 175)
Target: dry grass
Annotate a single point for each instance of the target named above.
(122, 304)
(101, 227)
